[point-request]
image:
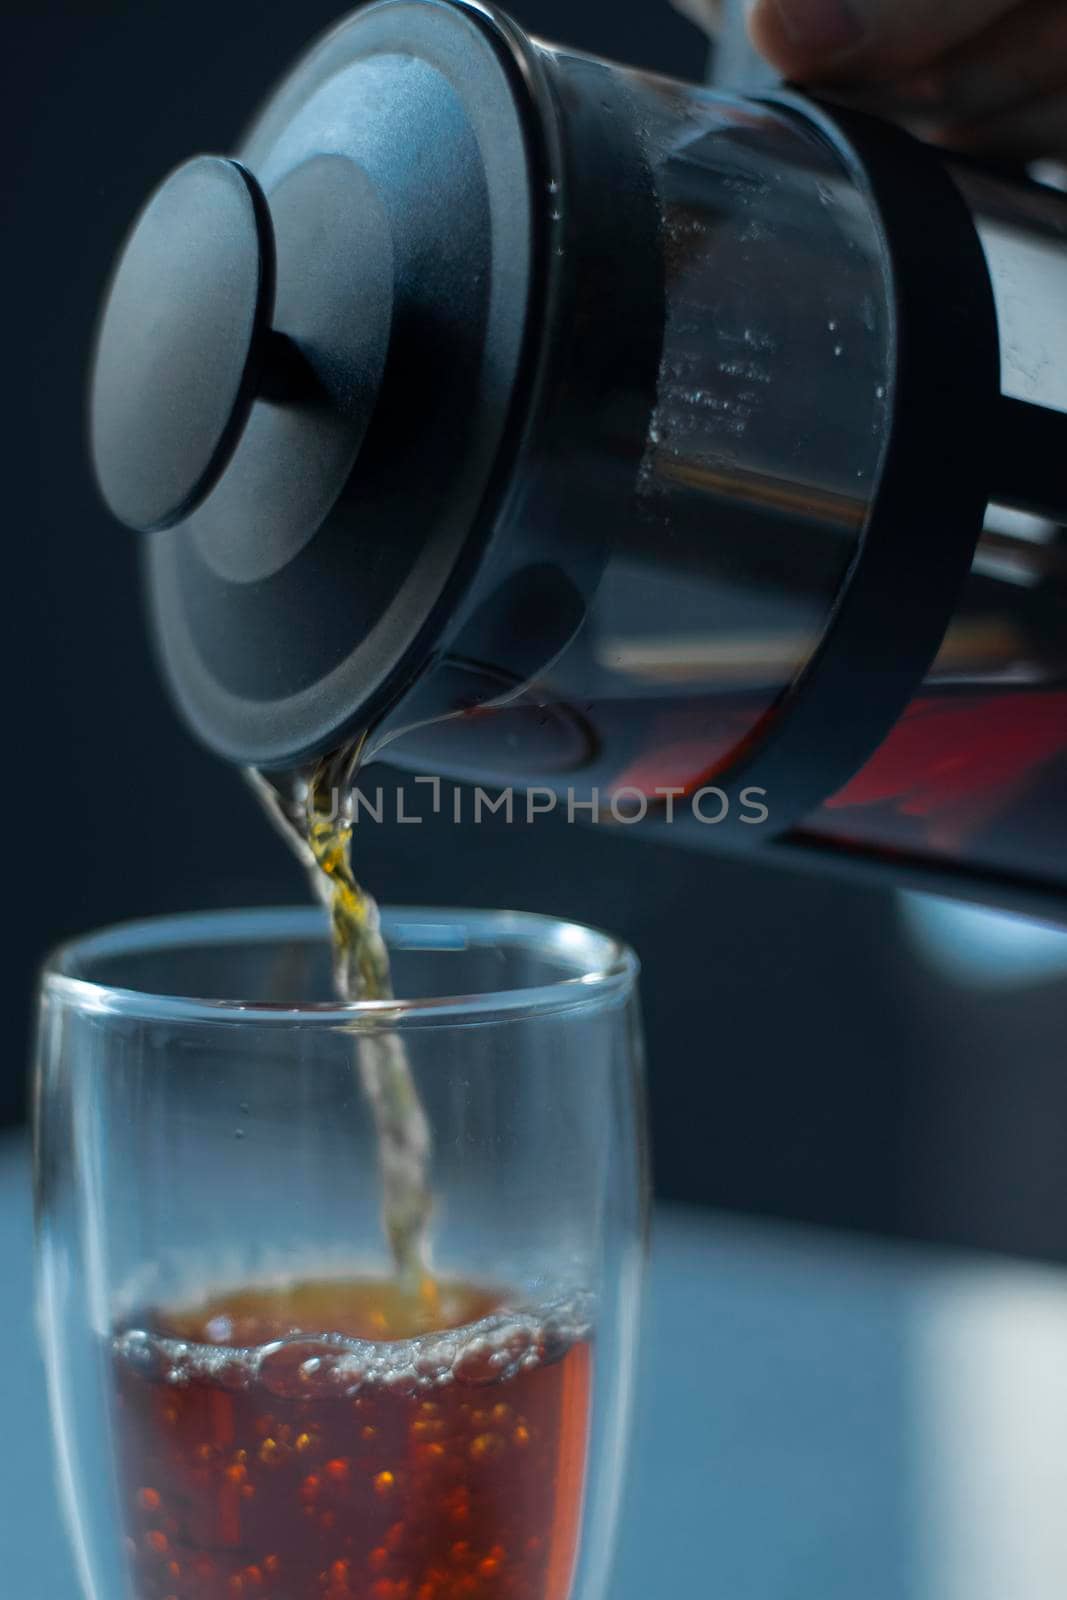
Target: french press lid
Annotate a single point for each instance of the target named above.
(309, 372)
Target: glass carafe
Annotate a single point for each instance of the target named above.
(692, 455)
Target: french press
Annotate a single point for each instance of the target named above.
(571, 427)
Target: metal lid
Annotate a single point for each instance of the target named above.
(309, 369)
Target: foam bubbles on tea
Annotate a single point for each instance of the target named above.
(435, 1465)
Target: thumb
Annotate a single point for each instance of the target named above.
(862, 40)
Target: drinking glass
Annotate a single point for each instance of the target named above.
(246, 1404)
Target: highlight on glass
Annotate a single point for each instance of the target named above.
(250, 1401)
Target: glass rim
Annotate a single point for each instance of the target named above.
(604, 966)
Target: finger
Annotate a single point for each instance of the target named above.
(1019, 59)
(1029, 132)
(863, 40)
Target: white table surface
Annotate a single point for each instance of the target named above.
(817, 1420)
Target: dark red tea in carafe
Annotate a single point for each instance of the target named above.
(341, 1441)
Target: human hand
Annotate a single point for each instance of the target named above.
(983, 75)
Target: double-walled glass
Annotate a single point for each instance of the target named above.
(246, 1406)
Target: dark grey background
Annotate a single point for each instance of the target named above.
(806, 1060)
